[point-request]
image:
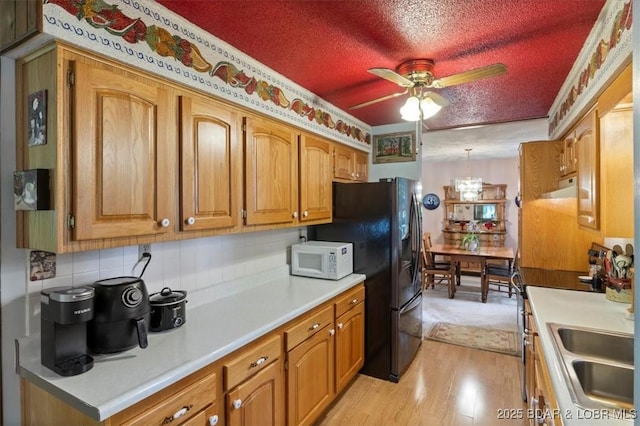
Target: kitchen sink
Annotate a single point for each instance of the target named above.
(601, 344)
(597, 365)
(609, 384)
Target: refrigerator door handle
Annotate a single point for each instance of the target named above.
(416, 235)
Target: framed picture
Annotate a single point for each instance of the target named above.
(394, 147)
(37, 118)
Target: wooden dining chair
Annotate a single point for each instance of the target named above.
(498, 274)
(435, 273)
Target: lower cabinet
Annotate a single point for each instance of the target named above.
(253, 381)
(310, 366)
(542, 407)
(259, 400)
(349, 337)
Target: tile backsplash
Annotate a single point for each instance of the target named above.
(205, 267)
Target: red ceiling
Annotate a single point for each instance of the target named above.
(327, 47)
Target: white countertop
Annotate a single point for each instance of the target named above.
(577, 308)
(211, 331)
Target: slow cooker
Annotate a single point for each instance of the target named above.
(167, 309)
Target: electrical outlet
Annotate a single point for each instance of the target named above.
(142, 249)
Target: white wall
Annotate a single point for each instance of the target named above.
(435, 175)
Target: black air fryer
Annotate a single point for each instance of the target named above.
(121, 317)
(64, 314)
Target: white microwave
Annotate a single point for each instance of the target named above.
(322, 259)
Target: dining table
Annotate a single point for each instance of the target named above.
(481, 255)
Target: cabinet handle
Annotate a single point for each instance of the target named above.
(353, 174)
(165, 223)
(237, 403)
(259, 362)
(314, 326)
(354, 301)
(213, 420)
(340, 325)
(295, 214)
(190, 220)
(357, 175)
(305, 214)
(181, 412)
(332, 331)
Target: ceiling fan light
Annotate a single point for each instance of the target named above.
(429, 107)
(410, 111)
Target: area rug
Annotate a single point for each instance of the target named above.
(487, 339)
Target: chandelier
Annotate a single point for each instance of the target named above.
(420, 105)
(468, 187)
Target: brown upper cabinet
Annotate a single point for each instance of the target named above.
(588, 154)
(120, 152)
(210, 164)
(21, 19)
(136, 159)
(350, 164)
(568, 160)
(271, 172)
(315, 178)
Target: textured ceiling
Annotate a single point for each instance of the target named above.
(327, 47)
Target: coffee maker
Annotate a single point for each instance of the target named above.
(64, 314)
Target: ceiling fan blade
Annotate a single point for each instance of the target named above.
(392, 76)
(469, 76)
(440, 100)
(384, 98)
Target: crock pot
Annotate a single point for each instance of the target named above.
(167, 309)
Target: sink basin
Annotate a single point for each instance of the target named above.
(597, 366)
(609, 384)
(600, 344)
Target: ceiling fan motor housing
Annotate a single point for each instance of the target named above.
(420, 71)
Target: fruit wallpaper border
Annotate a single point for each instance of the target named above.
(148, 36)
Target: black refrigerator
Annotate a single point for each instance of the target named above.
(383, 221)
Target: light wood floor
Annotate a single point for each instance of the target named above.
(445, 385)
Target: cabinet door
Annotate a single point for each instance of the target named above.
(21, 19)
(122, 162)
(349, 345)
(310, 377)
(588, 171)
(259, 400)
(210, 165)
(271, 172)
(362, 167)
(343, 163)
(315, 179)
(568, 158)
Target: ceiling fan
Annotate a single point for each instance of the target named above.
(416, 76)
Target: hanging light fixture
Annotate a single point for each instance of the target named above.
(468, 187)
(419, 105)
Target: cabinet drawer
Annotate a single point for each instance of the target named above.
(250, 361)
(349, 300)
(181, 405)
(308, 326)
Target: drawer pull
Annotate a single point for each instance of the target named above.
(181, 412)
(213, 420)
(237, 404)
(340, 325)
(314, 326)
(259, 362)
(354, 301)
(332, 332)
